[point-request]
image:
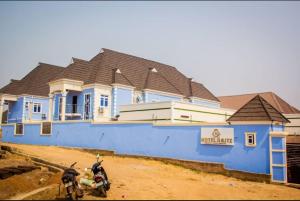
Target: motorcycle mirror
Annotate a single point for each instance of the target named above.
(98, 156)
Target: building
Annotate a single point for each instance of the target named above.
(133, 106)
(96, 90)
(291, 113)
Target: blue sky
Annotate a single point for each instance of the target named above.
(230, 47)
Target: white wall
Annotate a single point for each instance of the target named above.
(107, 111)
(173, 111)
(294, 126)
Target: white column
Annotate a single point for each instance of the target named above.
(1, 109)
(63, 105)
(50, 113)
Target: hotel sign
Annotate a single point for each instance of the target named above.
(217, 136)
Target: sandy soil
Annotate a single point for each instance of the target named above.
(26, 182)
(133, 178)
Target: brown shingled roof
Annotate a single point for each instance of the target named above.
(258, 109)
(136, 70)
(78, 70)
(198, 90)
(35, 82)
(237, 101)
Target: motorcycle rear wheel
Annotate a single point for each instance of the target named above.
(102, 191)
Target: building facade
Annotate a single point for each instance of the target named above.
(97, 89)
(135, 106)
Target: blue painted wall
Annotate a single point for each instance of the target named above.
(15, 110)
(120, 96)
(44, 108)
(179, 142)
(151, 97)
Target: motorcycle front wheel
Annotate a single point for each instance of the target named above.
(102, 191)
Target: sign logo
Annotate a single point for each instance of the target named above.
(216, 133)
(217, 136)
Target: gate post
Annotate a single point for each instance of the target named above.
(278, 162)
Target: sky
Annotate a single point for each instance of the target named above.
(231, 47)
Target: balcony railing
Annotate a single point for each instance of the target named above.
(74, 109)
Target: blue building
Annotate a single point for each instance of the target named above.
(135, 106)
(95, 89)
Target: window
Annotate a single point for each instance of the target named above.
(104, 101)
(46, 128)
(37, 107)
(250, 139)
(26, 106)
(19, 129)
(139, 99)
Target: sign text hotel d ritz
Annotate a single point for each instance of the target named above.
(217, 136)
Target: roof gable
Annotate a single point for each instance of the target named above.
(136, 70)
(237, 101)
(35, 82)
(258, 109)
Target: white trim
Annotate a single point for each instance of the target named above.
(64, 80)
(9, 97)
(34, 103)
(163, 93)
(95, 85)
(279, 133)
(278, 165)
(89, 106)
(202, 99)
(247, 134)
(107, 97)
(15, 129)
(41, 129)
(278, 150)
(250, 122)
(33, 96)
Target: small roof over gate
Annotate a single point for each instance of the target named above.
(258, 109)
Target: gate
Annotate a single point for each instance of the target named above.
(278, 165)
(293, 159)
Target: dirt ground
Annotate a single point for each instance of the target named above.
(134, 178)
(26, 182)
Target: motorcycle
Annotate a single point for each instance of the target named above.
(100, 177)
(73, 189)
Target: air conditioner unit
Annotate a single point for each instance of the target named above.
(101, 110)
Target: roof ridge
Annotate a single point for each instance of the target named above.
(274, 109)
(264, 107)
(276, 101)
(138, 57)
(52, 65)
(255, 93)
(114, 81)
(170, 83)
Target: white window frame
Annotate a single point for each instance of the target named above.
(41, 131)
(247, 135)
(15, 130)
(107, 97)
(34, 104)
(91, 110)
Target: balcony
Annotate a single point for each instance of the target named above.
(74, 111)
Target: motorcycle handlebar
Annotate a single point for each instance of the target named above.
(73, 164)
